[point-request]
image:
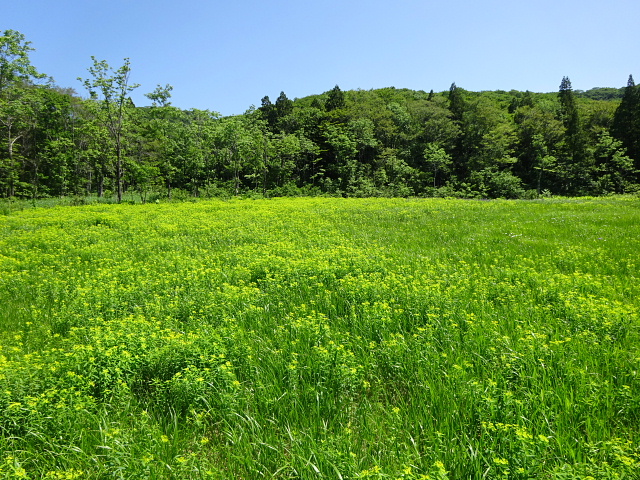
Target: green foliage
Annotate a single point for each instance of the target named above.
(307, 338)
(495, 183)
(160, 96)
(111, 89)
(335, 99)
(456, 102)
(602, 93)
(615, 168)
(350, 143)
(626, 120)
(15, 66)
(575, 160)
(437, 159)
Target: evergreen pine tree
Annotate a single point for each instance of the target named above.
(284, 106)
(569, 112)
(269, 113)
(335, 99)
(626, 121)
(576, 175)
(265, 103)
(461, 149)
(456, 102)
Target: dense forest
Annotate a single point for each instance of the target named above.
(382, 142)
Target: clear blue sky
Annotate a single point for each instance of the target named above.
(226, 55)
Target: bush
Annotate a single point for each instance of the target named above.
(498, 183)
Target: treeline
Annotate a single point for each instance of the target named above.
(392, 142)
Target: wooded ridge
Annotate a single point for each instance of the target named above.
(381, 142)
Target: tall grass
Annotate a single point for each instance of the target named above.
(321, 338)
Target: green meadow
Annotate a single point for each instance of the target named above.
(321, 338)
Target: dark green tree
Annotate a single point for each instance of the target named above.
(19, 104)
(614, 167)
(626, 121)
(18, 114)
(575, 164)
(539, 135)
(268, 111)
(456, 102)
(283, 110)
(520, 100)
(335, 99)
(435, 123)
(49, 150)
(284, 106)
(156, 138)
(464, 143)
(343, 148)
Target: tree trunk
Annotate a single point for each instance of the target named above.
(119, 166)
(11, 175)
(89, 184)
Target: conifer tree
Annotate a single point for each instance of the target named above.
(335, 99)
(626, 121)
(268, 110)
(462, 148)
(569, 113)
(284, 106)
(456, 102)
(576, 171)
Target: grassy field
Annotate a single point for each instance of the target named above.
(321, 338)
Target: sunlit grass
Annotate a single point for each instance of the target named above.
(321, 338)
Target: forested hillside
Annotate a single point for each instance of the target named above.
(388, 141)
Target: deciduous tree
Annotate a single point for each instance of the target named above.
(15, 66)
(111, 89)
(437, 160)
